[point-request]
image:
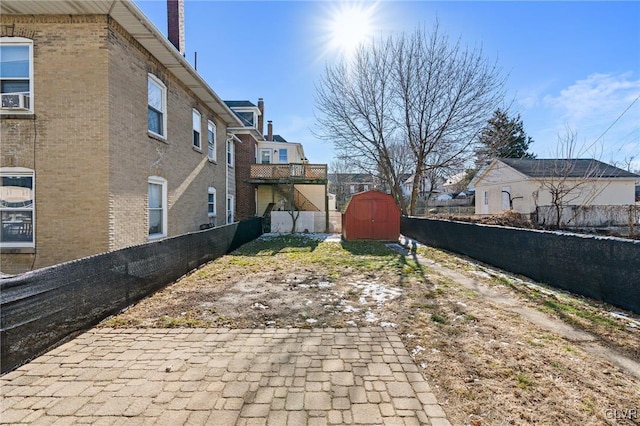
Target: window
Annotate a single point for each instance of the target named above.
(230, 152)
(16, 73)
(211, 202)
(211, 141)
(230, 208)
(282, 156)
(352, 189)
(486, 198)
(16, 207)
(365, 187)
(156, 111)
(265, 156)
(157, 207)
(196, 129)
(248, 118)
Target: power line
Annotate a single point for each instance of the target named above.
(615, 121)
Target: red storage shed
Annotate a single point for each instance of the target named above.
(371, 215)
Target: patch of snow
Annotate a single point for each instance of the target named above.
(348, 309)
(385, 324)
(311, 321)
(270, 323)
(351, 323)
(375, 291)
(410, 336)
(481, 274)
(370, 316)
(308, 302)
(416, 351)
(423, 365)
(258, 305)
(325, 284)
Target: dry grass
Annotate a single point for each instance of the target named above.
(486, 364)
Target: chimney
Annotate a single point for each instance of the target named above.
(269, 131)
(261, 118)
(175, 21)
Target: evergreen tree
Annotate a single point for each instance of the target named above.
(503, 137)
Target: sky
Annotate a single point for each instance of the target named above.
(569, 65)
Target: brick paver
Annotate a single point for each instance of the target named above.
(221, 376)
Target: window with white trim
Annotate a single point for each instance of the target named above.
(197, 128)
(265, 156)
(157, 207)
(230, 152)
(157, 106)
(16, 74)
(211, 140)
(248, 118)
(230, 208)
(17, 207)
(211, 202)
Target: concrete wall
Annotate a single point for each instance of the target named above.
(603, 268)
(306, 222)
(335, 222)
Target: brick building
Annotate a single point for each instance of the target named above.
(250, 134)
(110, 137)
(271, 172)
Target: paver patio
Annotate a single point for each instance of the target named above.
(223, 377)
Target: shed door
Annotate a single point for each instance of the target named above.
(379, 220)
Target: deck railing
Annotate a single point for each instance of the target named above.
(289, 171)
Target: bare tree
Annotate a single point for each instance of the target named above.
(418, 93)
(445, 94)
(568, 180)
(355, 97)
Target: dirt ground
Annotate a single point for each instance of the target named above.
(487, 362)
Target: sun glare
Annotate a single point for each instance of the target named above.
(349, 25)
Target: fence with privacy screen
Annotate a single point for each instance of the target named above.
(42, 307)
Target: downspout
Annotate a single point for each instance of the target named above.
(326, 208)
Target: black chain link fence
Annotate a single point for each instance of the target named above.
(40, 308)
(602, 268)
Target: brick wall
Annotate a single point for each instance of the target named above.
(66, 141)
(135, 155)
(90, 147)
(245, 191)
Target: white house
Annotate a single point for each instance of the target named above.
(525, 184)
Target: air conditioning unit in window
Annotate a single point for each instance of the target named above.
(15, 101)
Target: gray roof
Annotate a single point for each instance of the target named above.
(237, 104)
(578, 168)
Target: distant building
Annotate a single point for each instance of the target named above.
(523, 184)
